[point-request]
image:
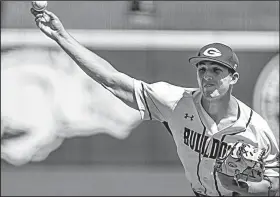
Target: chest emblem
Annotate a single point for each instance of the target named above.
(189, 117)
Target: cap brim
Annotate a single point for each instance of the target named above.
(195, 60)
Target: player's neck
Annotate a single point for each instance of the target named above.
(220, 108)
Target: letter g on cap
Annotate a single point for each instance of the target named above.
(212, 52)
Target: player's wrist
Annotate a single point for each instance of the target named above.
(61, 36)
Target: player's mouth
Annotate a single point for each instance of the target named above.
(209, 85)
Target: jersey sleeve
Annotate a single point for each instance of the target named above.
(271, 158)
(156, 101)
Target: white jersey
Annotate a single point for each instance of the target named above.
(198, 140)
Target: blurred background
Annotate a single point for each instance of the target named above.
(151, 41)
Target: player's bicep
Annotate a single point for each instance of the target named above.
(121, 85)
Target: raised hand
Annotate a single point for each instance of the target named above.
(48, 23)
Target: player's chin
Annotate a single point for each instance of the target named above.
(209, 95)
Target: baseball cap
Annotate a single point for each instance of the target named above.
(217, 52)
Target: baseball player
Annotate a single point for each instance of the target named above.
(204, 122)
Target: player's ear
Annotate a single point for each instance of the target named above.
(234, 78)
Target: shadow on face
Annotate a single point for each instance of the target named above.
(215, 79)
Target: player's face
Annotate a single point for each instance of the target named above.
(214, 79)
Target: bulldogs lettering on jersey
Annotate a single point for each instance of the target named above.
(197, 143)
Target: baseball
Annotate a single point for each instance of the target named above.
(39, 5)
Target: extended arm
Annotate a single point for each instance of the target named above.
(98, 69)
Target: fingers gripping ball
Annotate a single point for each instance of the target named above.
(242, 163)
(39, 5)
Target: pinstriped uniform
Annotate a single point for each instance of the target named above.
(198, 139)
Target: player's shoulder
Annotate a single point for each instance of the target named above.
(168, 93)
(168, 89)
(255, 119)
(169, 86)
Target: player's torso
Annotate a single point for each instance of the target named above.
(198, 146)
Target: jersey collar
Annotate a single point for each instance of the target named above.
(242, 120)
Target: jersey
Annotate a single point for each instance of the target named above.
(198, 139)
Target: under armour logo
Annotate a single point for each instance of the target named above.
(187, 116)
(212, 52)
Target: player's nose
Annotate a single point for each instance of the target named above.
(208, 77)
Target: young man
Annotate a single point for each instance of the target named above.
(204, 122)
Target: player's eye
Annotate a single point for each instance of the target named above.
(202, 69)
(217, 70)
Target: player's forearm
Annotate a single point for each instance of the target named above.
(262, 188)
(93, 65)
(121, 85)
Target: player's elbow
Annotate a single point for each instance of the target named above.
(109, 79)
(120, 85)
